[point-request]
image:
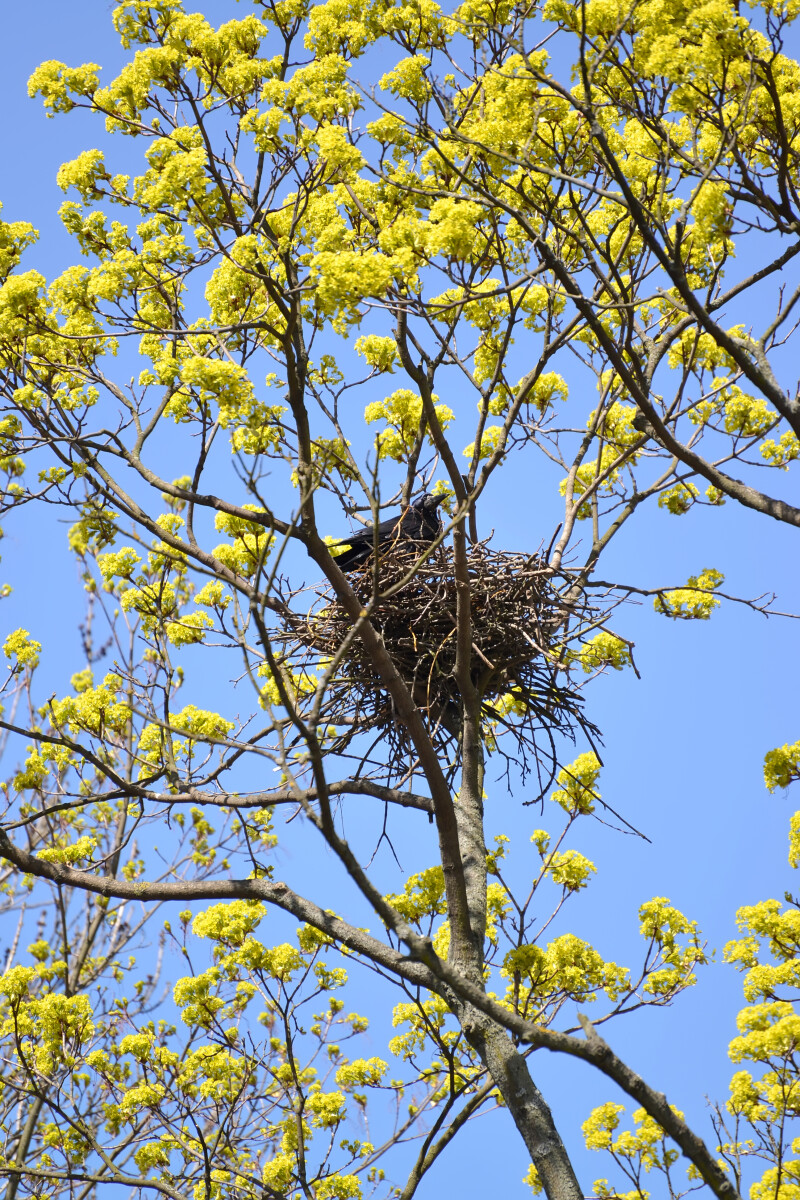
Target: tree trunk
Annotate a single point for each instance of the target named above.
(525, 1103)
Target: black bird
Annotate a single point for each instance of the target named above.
(419, 523)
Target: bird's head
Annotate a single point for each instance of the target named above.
(427, 503)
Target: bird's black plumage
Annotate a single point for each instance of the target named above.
(419, 523)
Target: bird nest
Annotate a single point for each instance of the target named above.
(516, 615)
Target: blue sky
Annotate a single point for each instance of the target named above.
(684, 745)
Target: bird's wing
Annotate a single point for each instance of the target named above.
(355, 538)
(386, 528)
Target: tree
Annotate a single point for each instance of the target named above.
(551, 252)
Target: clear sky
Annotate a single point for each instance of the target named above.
(684, 745)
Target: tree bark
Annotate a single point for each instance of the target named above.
(526, 1104)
